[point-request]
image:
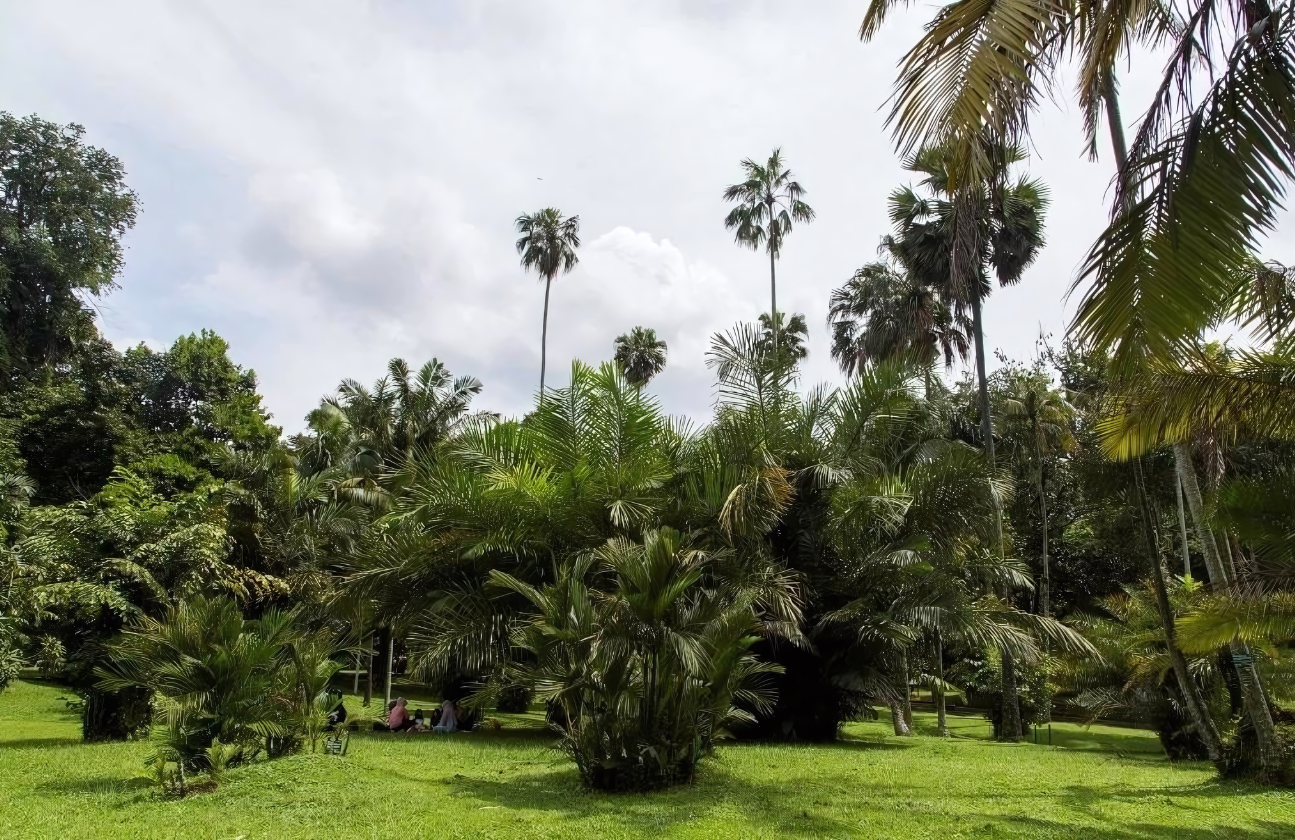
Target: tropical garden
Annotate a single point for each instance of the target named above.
(772, 615)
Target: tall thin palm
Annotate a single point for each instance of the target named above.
(547, 243)
(1044, 417)
(1003, 224)
(768, 202)
(640, 355)
(1008, 231)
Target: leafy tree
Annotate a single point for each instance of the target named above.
(640, 354)
(789, 337)
(64, 208)
(768, 202)
(547, 242)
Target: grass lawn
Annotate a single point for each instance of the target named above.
(1099, 783)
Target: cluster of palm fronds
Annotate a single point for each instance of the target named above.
(227, 688)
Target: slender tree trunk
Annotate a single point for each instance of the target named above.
(1045, 582)
(1011, 729)
(1252, 691)
(544, 335)
(773, 301)
(368, 676)
(941, 718)
(391, 649)
(1182, 525)
(1197, 709)
(908, 693)
(897, 718)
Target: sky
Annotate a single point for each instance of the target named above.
(333, 183)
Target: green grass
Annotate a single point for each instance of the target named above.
(1100, 783)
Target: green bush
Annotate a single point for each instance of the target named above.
(642, 677)
(222, 682)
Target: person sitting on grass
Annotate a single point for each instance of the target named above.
(449, 718)
(400, 720)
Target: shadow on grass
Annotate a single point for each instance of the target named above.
(36, 743)
(99, 784)
(817, 806)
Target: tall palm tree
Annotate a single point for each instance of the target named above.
(768, 201)
(1043, 416)
(882, 313)
(547, 243)
(951, 240)
(640, 355)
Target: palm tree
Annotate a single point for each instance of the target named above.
(547, 243)
(883, 313)
(793, 334)
(640, 354)
(1043, 417)
(768, 201)
(950, 241)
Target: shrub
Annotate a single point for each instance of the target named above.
(641, 679)
(223, 682)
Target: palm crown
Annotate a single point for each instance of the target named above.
(640, 355)
(768, 202)
(547, 243)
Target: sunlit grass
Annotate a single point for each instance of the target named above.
(1104, 783)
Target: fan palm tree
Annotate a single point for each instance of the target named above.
(951, 241)
(768, 202)
(1204, 176)
(1008, 224)
(882, 313)
(640, 354)
(547, 243)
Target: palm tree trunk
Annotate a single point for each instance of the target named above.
(908, 692)
(1197, 709)
(897, 718)
(941, 718)
(1011, 729)
(544, 335)
(1182, 525)
(773, 302)
(1045, 581)
(1252, 691)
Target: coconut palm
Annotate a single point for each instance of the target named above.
(1203, 178)
(768, 202)
(547, 243)
(640, 354)
(882, 313)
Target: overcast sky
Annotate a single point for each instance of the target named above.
(329, 184)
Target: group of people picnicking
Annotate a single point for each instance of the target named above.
(450, 718)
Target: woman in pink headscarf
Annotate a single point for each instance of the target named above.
(399, 719)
